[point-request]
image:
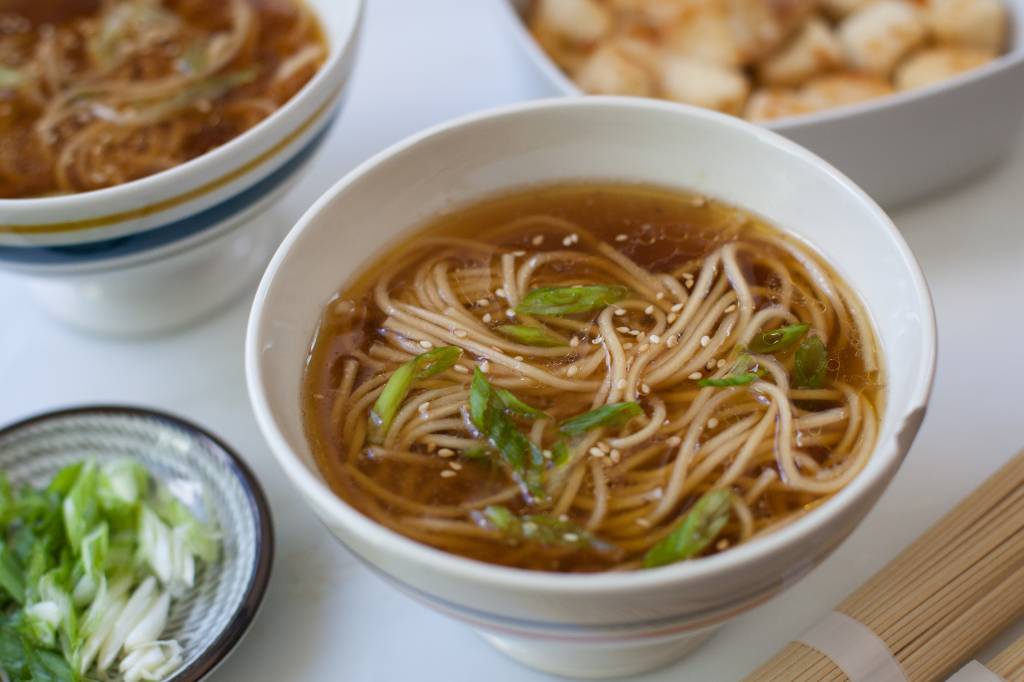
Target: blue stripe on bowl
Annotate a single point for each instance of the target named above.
(165, 234)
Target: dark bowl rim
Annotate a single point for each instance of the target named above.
(242, 619)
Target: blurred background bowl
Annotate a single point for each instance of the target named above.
(160, 252)
(614, 623)
(897, 148)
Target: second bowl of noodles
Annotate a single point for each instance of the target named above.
(591, 394)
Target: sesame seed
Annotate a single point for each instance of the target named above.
(649, 309)
(574, 342)
(621, 238)
(658, 296)
(447, 473)
(672, 317)
(698, 201)
(461, 369)
(455, 465)
(573, 371)
(538, 240)
(596, 452)
(563, 518)
(483, 301)
(643, 347)
(672, 341)
(722, 545)
(518, 254)
(510, 312)
(696, 376)
(445, 452)
(689, 284)
(597, 341)
(604, 447)
(487, 317)
(518, 358)
(485, 366)
(431, 447)
(731, 308)
(674, 441)
(615, 456)
(687, 275)
(500, 292)
(574, 237)
(645, 389)
(426, 344)
(640, 336)
(712, 423)
(643, 523)
(627, 346)
(656, 494)
(620, 384)
(705, 340)
(567, 241)
(620, 311)
(424, 406)
(622, 330)
(570, 537)
(654, 338)
(461, 333)
(676, 308)
(711, 365)
(546, 453)
(720, 364)
(634, 332)
(530, 527)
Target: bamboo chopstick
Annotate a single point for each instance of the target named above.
(943, 597)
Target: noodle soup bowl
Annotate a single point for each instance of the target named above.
(164, 250)
(615, 623)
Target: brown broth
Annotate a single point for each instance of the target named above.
(665, 230)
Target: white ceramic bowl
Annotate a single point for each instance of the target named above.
(163, 250)
(896, 148)
(609, 624)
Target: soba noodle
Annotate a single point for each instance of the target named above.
(693, 418)
(94, 94)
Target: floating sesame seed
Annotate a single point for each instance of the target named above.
(445, 452)
(621, 238)
(711, 365)
(596, 452)
(722, 545)
(705, 340)
(461, 333)
(621, 384)
(672, 317)
(712, 423)
(643, 523)
(567, 241)
(635, 332)
(658, 296)
(431, 447)
(573, 371)
(689, 284)
(676, 308)
(672, 341)
(687, 275)
(424, 406)
(654, 338)
(538, 240)
(485, 366)
(656, 494)
(622, 330)
(574, 342)
(510, 312)
(447, 473)
(645, 389)
(483, 301)
(500, 292)
(426, 344)
(604, 447)
(546, 453)
(720, 364)
(627, 346)
(518, 254)
(615, 457)
(563, 518)
(597, 341)
(518, 358)
(730, 308)
(455, 465)
(570, 537)
(649, 309)
(574, 237)
(643, 347)
(487, 317)
(530, 527)
(674, 441)
(696, 376)
(620, 311)
(461, 369)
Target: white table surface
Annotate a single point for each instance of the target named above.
(325, 617)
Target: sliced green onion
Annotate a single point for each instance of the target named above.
(542, 528)
(778, 339)
(420, 367)
(736, 380)
(614, 416)
(699, 529)
(568, 300)
(811, 360)
(531, 336)
(513, 405)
